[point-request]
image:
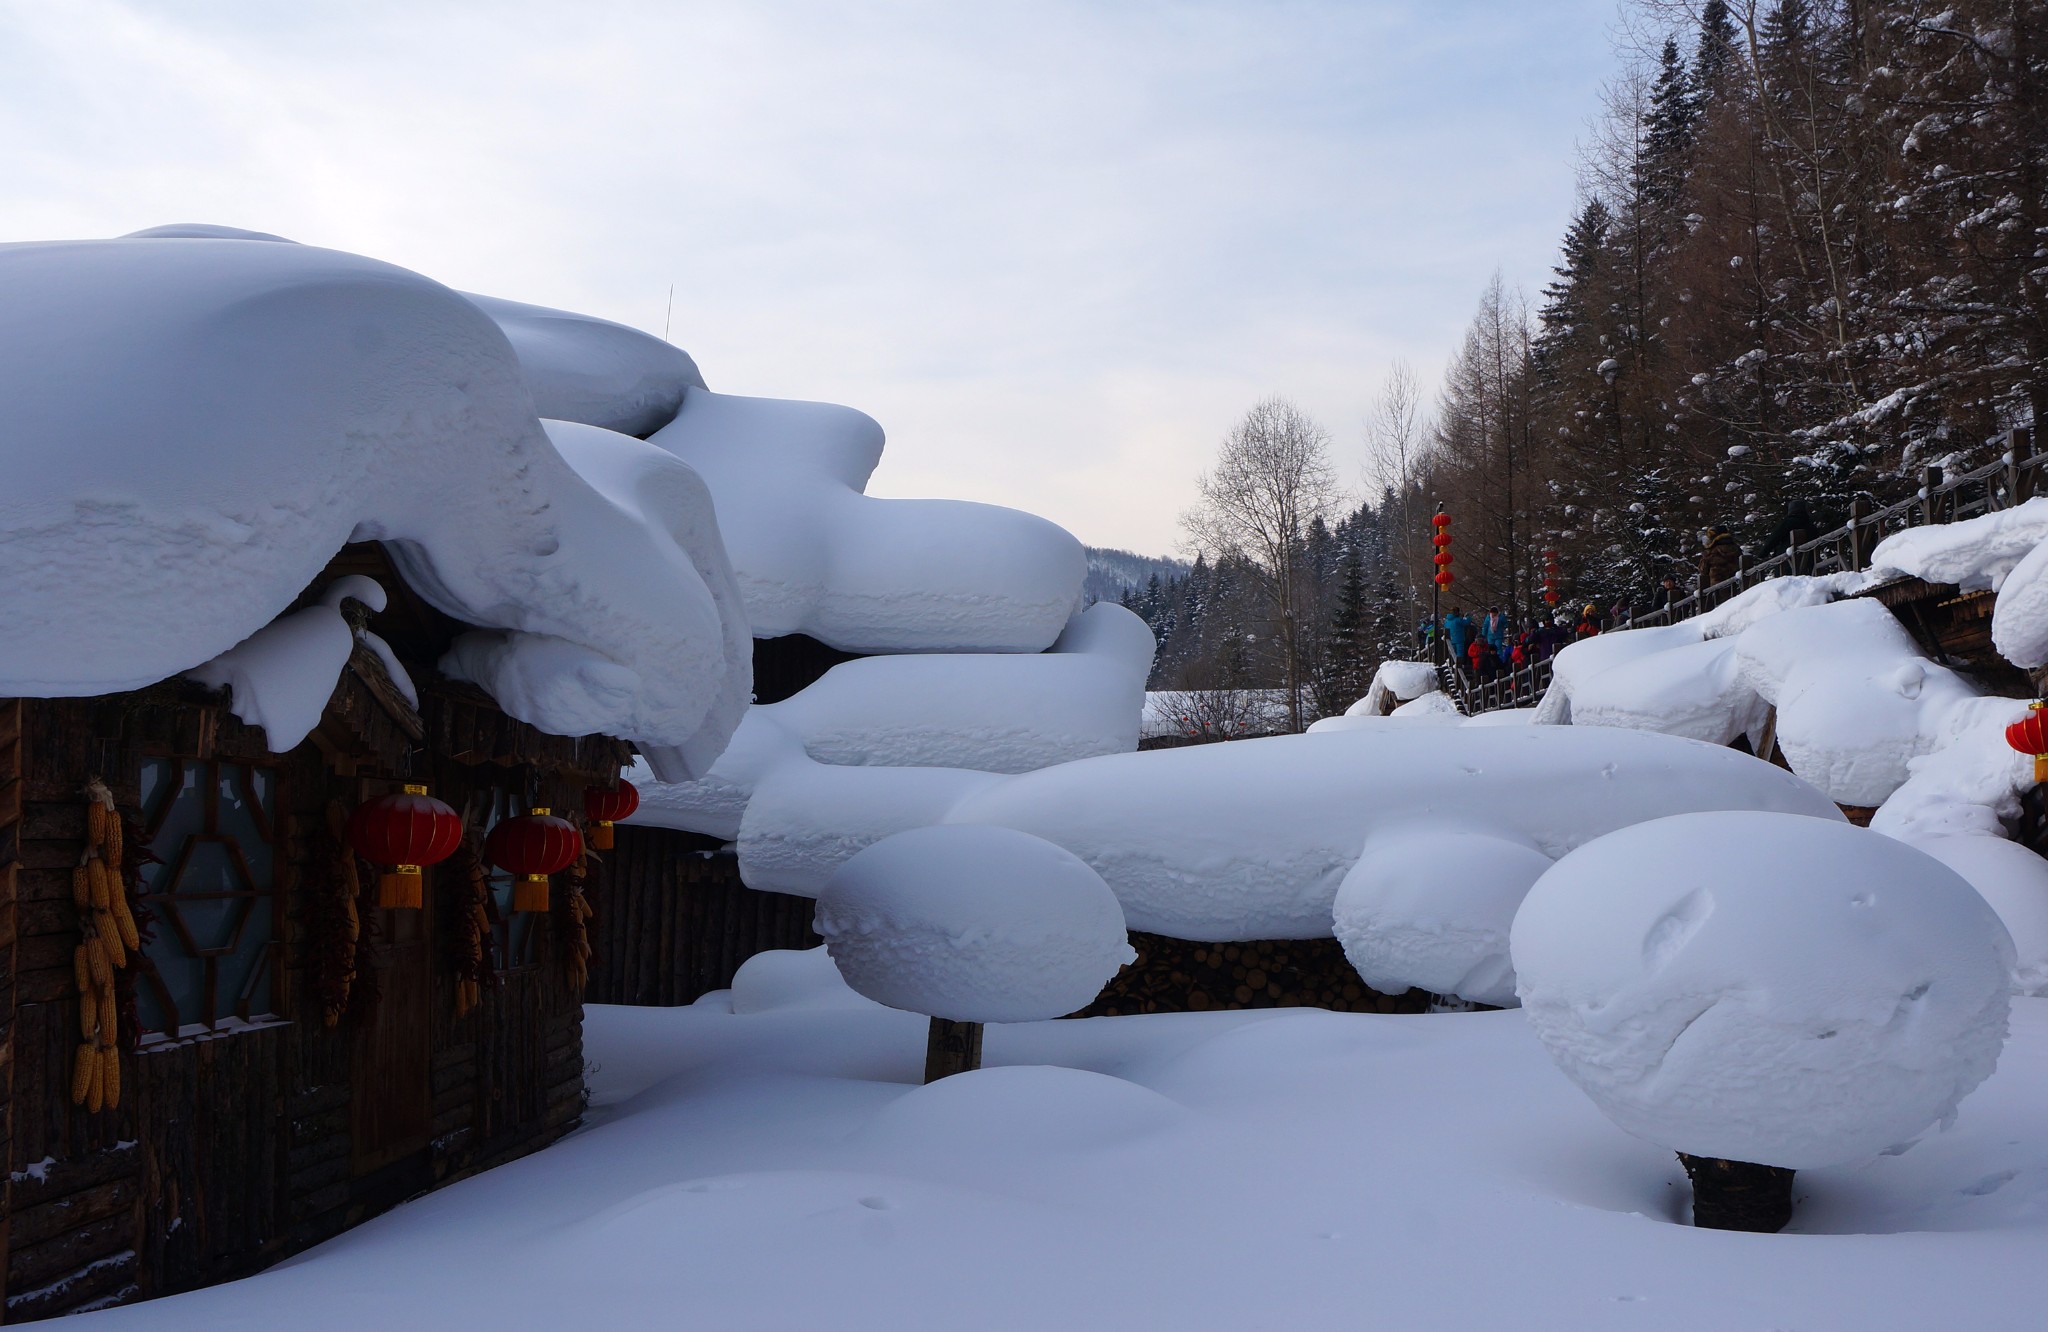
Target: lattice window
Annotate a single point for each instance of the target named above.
(213, 827)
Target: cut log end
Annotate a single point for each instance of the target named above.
(1738, 1195)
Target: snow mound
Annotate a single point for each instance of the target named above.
(2019, 618)
(1395, 682)
(788, 979)
(2014, 881)
(995, 712)
(1856, 700)
(579, 368)
(1769, 598)
(1434, 705)
(203, 231)
(1504, 717)
(253, 407)
(816, 556)
(1032, 1108)
(1251, 839)
(1695, 690)
(1970, 781)
(973, 924)
(1762, 987)
(1430, 906)
(1975, 554)
(998, 712)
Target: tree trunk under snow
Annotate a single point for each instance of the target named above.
(1737, 1195)
(954, 1047)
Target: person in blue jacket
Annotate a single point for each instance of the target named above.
(1458, 630)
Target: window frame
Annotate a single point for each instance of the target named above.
(259, 1000)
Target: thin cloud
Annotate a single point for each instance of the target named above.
(1054, 247)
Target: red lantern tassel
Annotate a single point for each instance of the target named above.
(530, 893)
(401, 886)
(599, 835)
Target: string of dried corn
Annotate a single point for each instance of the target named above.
(107, 938)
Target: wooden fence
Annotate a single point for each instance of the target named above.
(2012, 480)
(675, 922)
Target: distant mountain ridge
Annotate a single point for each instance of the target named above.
(1111, 572)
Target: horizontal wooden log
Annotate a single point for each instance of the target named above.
(32, 1226)
(99, 1284)
(42, 1183)
(38, 1263)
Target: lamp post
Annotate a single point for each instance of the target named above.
(1440, 538)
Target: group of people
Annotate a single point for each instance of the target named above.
(1493, 643)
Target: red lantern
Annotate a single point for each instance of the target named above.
(604, 808)
(1444, 579)
(1550, 596)
(533, 846)
(1440, 539)
(404, 830)
(1441, 520)
(1442, 557)
(2029, 735)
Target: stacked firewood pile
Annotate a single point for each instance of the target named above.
(1180, 976)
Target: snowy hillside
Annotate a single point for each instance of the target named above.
(1113, 572)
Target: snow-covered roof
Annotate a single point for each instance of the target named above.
(816, 556)
(198, 422)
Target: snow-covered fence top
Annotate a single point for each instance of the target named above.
(1854, 547)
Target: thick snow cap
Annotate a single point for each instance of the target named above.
(196, 425)
(997, 712)
(1250, 840)
(1430, 905)
(1764, 988)
(816, 556)
(973, 924)
(592, 370)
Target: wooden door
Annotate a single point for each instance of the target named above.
(391, 1105)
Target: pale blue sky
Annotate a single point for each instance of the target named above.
(1054, 247)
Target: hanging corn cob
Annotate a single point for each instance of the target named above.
(337, 926)
(576, 914)
(472, 926)
(107, 938)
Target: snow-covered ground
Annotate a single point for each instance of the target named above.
(781, 1169)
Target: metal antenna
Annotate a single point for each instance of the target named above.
(670, 312)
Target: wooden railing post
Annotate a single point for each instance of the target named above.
(1859, 512)
(1930, 486)
(2021, 451)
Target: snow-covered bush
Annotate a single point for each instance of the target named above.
(1430, 905)
(1395, 683)
(973, 924)
(1763, 987)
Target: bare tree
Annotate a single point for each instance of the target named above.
(1272, 479)
(1395, 437)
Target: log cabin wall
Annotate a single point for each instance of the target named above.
(232, 1149)
(674, 921)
